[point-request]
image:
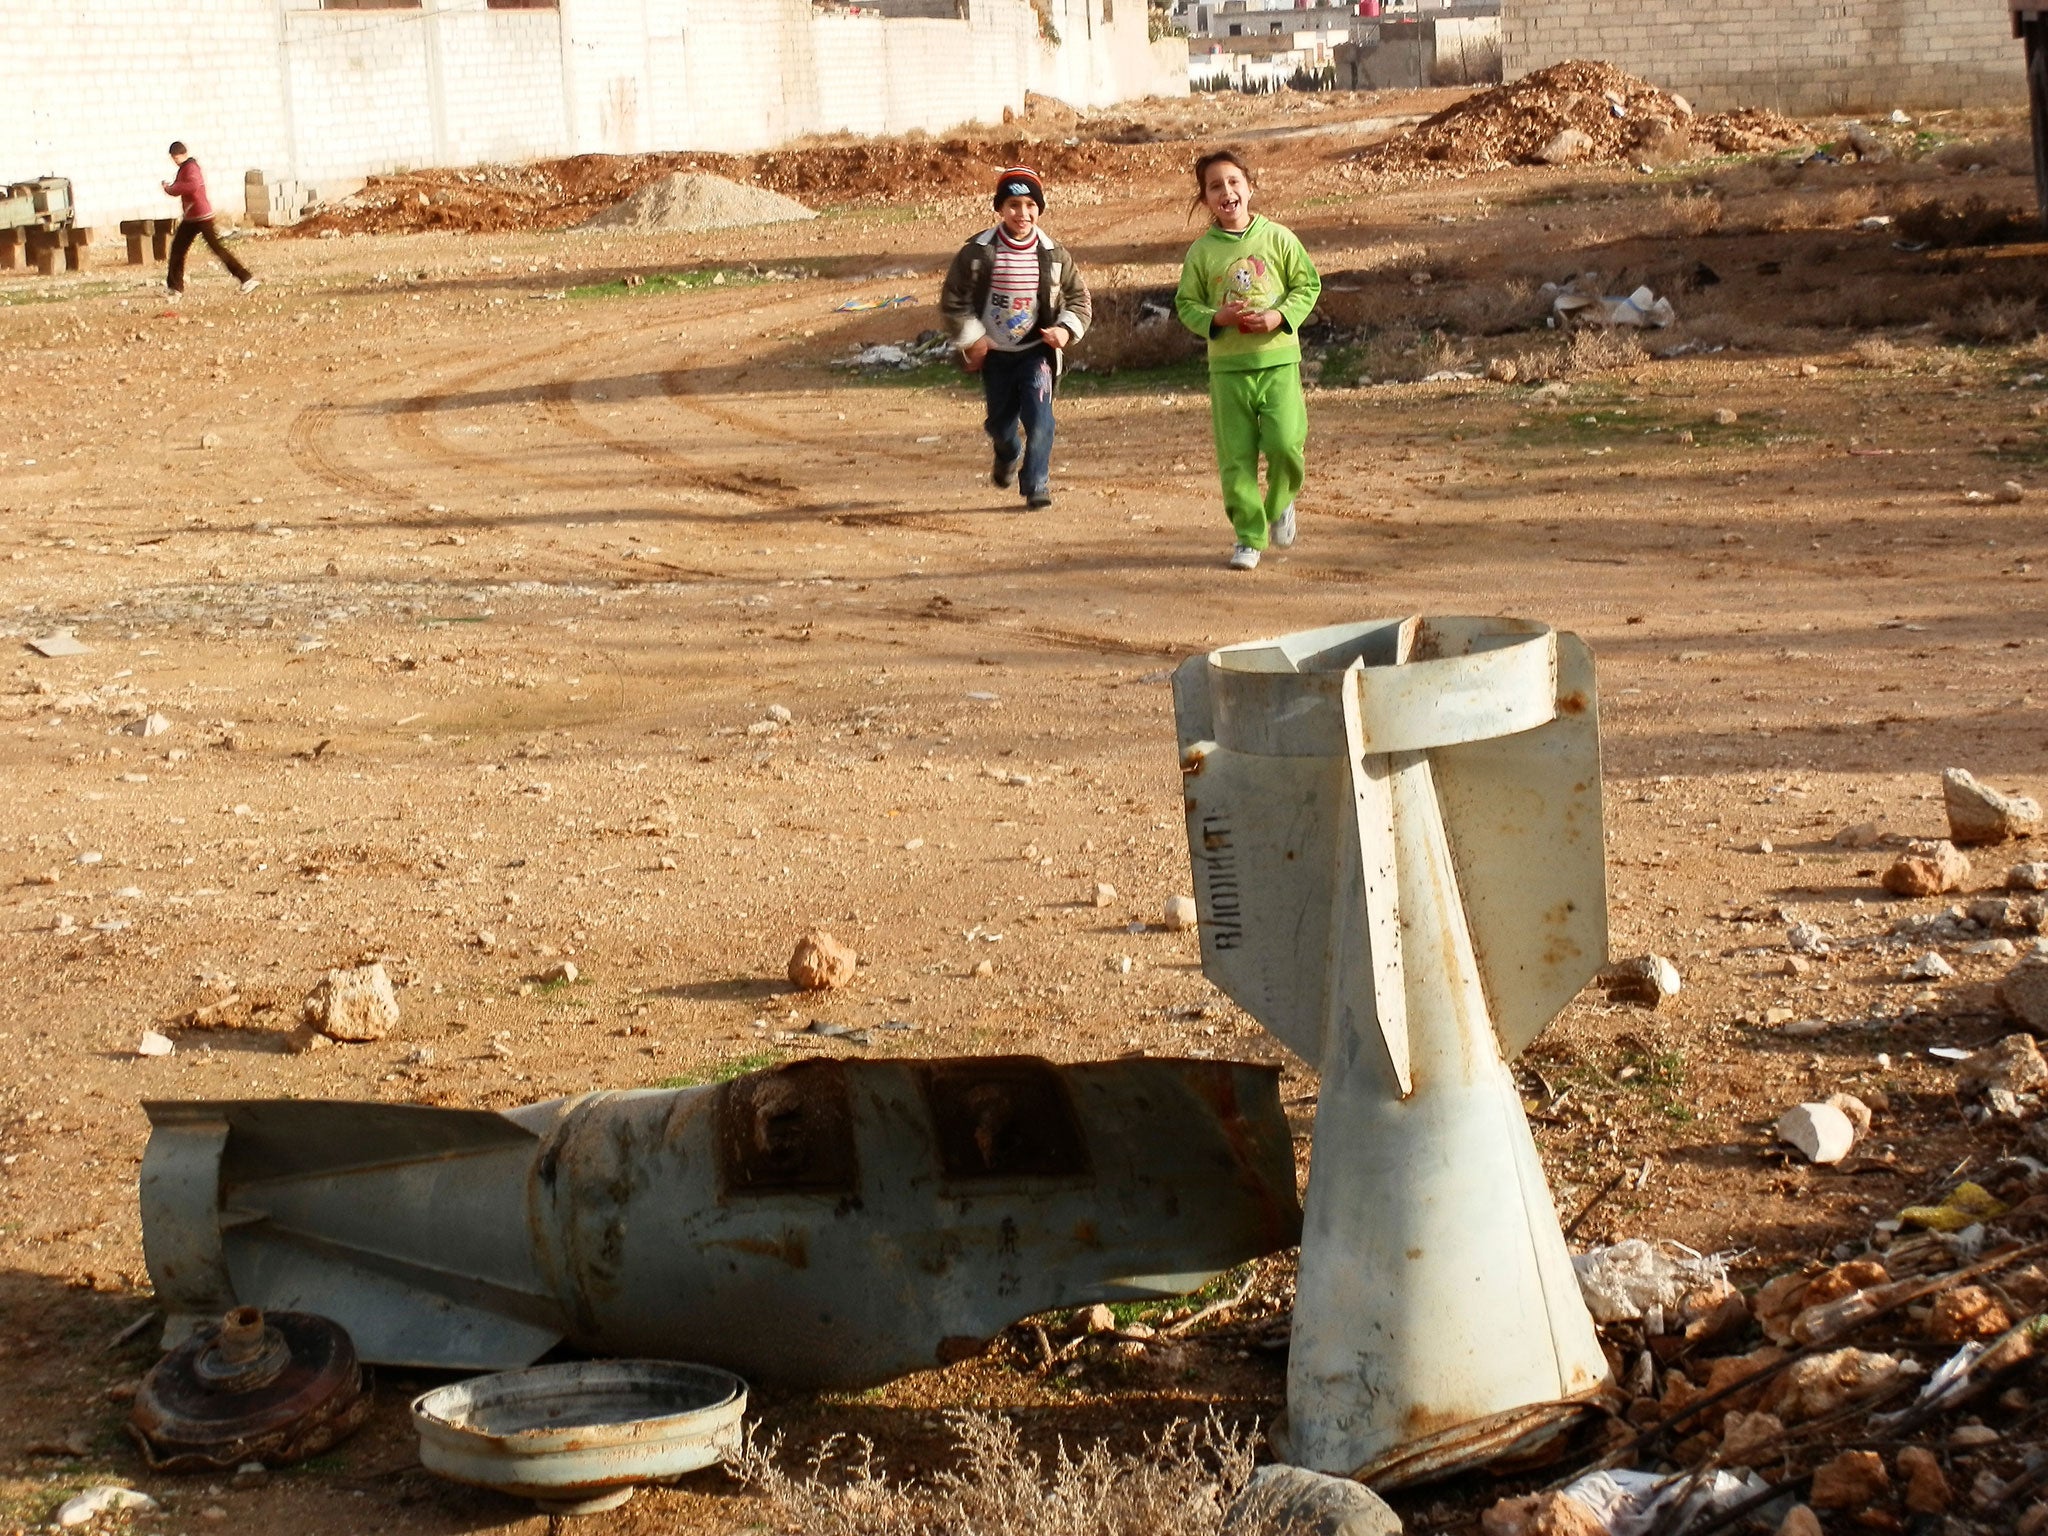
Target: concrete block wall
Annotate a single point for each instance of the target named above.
(98, 88)
(1798, 56)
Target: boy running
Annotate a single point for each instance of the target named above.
(1016, 301)
(189, 187)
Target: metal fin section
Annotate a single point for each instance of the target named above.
(1396, 835)
(826, 1224)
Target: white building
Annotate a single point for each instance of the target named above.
(328, 90)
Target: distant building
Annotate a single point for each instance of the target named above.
(1342, 44)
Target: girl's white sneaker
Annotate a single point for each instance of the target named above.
(1283, 531)
(1244, 558)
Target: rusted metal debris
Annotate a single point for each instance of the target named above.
(1396, 835)
(827, 1224)
(273, 1388)
(578, 1438)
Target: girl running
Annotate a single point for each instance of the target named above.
(1247, 285)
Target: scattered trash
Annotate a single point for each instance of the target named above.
(820, 963)
(858, 306)
(1622, 1503)
(1967, 1204)
(1641, 309)
(578, 1438)
(1440, 974)
(108, 1498)
(59, 643)
(1663, 1286)
(781, 1225)
(271, 1388)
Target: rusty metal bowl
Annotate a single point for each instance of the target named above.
(274, 1388)
(578, 1438)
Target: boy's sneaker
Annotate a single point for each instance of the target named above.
(1282, 532)
(1005, 469)
(1037, 501)
(1244, 558)
(251, 284)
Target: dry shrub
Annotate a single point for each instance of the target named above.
(1593, 350)
(1181, 1482)
(1998, 318)
(1440, 352)
(1123, 334)
(1486, 309)
(2013, 154)
(1845, 206)
(1880, 352)
(1366, 302)
(1692, 213)
(1975, 221)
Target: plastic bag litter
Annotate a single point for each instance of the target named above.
(1627, 1503)
(1966, 1205)
(1641, 309)
(1637, 1280)
(1632, 1503)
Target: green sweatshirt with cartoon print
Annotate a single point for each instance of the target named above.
(1265, 266)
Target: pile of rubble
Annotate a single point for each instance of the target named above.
(1574, 113)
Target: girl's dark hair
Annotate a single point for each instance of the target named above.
(1216, 157)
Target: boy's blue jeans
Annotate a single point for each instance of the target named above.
(1018, 389)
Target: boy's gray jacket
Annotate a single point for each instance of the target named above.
(1062, 291)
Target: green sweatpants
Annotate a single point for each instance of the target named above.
(1255, 411)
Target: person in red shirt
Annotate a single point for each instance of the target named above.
(189, 187)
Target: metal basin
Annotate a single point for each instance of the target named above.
(577, 1438)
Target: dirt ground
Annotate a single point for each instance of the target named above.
(466, 574)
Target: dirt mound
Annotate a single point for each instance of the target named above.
(555, 194)
(684, 201)
(1574, 112)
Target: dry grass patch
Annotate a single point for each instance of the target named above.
(1182, 1482)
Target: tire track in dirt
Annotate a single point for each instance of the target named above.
(309, 441)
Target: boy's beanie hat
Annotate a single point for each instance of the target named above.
(1019, 181)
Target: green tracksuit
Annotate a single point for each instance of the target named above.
(1255, 402)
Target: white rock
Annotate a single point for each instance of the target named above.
(561, 971)
(2027, 877)
(780, 714)
(1806, 939)
(1105, 893)
(1821, 1132)
(353, 1005)
(1645, 980)
(81, 1507)
(1978, 813)
(1864, 834)
(1567, 145)
(1179, 915)
(154, 1044)
(151, 724)
(1293, 1501)
(1929, 967)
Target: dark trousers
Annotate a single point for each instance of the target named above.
(189, 230)
(1018, 389)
